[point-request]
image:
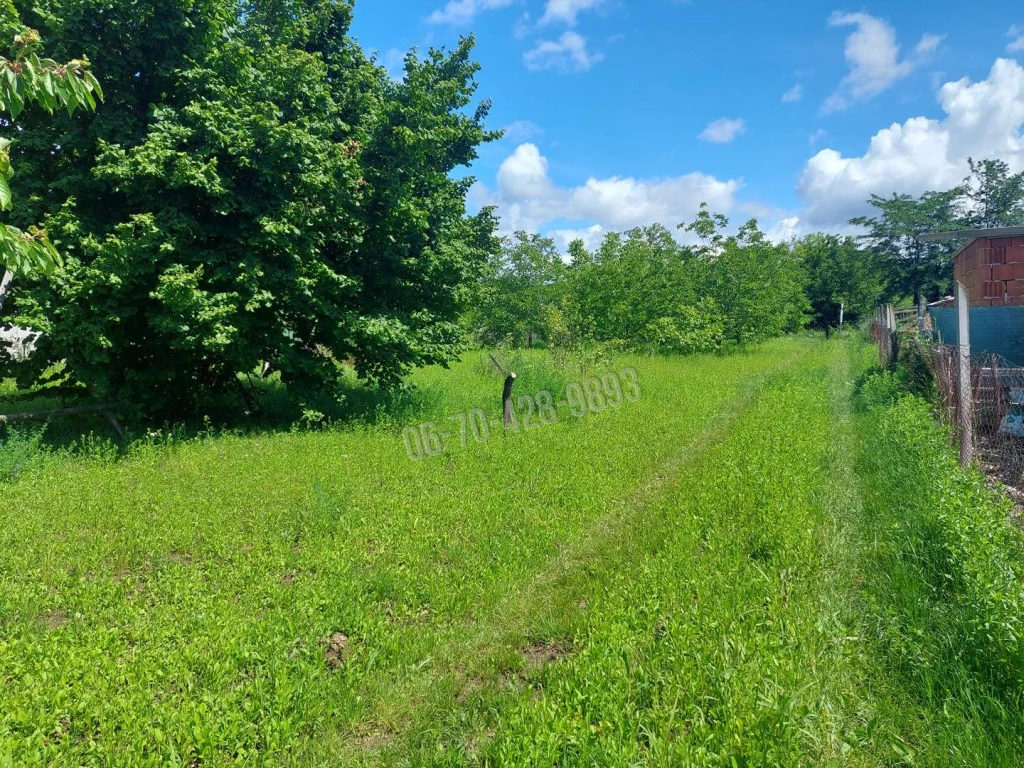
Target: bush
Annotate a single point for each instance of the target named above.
(693, 330)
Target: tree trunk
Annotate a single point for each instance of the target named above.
(5, 285)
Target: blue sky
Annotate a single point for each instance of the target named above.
(621, 112)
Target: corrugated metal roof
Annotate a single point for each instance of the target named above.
(972, 234)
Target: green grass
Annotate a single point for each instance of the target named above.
(689, 579)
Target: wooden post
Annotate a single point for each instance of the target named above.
(920, 315)
(506, 400)
(963, 326)
(842, 309)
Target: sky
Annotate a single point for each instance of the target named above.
(622, 113)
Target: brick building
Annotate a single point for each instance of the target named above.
(992, 270)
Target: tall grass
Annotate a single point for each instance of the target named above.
(735, 570)
(945, 576)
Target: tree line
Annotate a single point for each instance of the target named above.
(646, 291)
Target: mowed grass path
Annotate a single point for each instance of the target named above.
(673, 582)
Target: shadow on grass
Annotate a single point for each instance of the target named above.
(273, 409)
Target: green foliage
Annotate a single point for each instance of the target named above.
(758, 286)
(693, 330)
(643, 290)
(911, 266)
(26, 79)
(990, 196)
(20, 448)
(839, 274)
(879, 389)
(994, 197)
(519, 287)
(254, 189)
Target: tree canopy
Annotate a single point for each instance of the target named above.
(254, 188)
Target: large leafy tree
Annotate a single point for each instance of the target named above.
(910, 266)
(521, 281)
(628, 282)
(757, 284)
(839, 275)
(993, 197)
(254, 189)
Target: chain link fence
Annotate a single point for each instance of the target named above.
(997, 418)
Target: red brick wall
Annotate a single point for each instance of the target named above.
(992, 269)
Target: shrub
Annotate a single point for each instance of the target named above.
(693, 330)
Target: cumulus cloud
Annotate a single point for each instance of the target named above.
(784, 230)
(983, 120)
(874, 58)
(527, 198)
(794, 94)
(460, 12)
(591, 236)
(723, 130)
(1016, 44)
(566, 54)
(566, 11)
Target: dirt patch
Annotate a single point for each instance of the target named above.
(62, 729)
(54, 619)
(538, 654)
(371, 741)
(336, 649)
(179, 558)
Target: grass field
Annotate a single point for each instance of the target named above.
(724, 572)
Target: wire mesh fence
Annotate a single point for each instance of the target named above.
(997, 417)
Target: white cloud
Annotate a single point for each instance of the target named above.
(567, 54)
(464, 11)
(591, 236)
(528, 199)
(784, 230)
(983, 120)
(522, 130)
(874, 58)
(566, 11)
(1017, 43)
(794, 94)
(723, 130)
(817, 136)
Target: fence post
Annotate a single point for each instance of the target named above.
(508, 413)
(963, 329)
(842, 309)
